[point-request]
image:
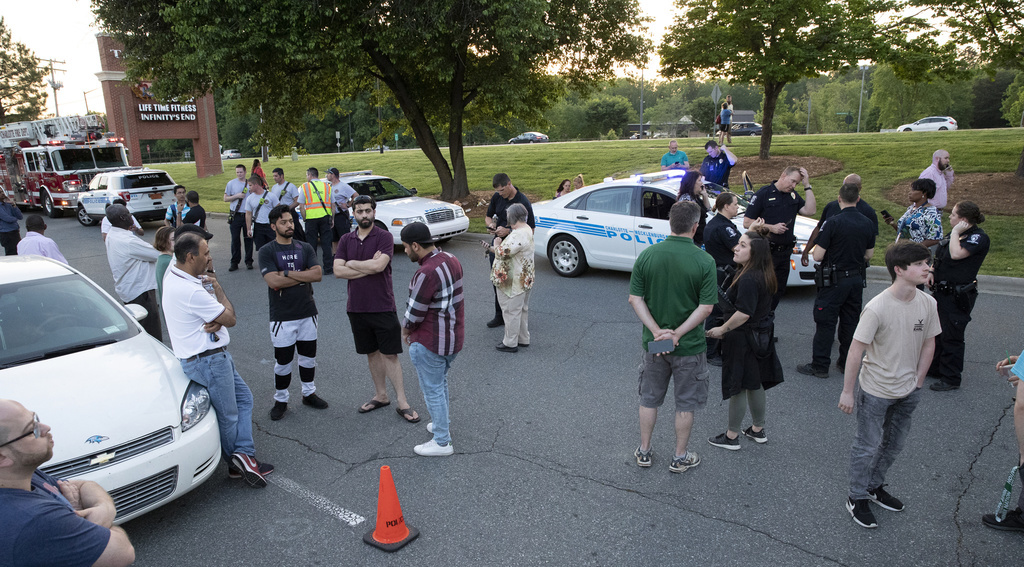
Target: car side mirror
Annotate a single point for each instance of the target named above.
(413, 190)
(137, 311)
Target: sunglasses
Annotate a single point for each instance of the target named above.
(35, 431)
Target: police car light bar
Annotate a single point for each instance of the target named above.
(353, 173)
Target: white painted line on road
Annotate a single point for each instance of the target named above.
(320, 502)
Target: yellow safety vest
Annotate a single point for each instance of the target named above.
(316, 207)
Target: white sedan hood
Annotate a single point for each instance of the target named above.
(415, 206)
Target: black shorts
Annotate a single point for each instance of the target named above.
(376, 331)
(724, 127)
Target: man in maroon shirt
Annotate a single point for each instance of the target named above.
(364, 259)
(433, 327)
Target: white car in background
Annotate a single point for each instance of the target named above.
(608, 224)
(929, 124)
(398, 207)
(148, 193)
(121, 411)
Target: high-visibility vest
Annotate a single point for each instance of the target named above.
(316, 206)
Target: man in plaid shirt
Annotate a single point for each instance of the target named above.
(433, 329)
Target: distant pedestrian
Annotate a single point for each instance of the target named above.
(257, 169)
(434, 329)
(885, 370)
(290, 268)
(674, 159)
(725, 127)
(196, 213)
(563, 188)
(10, 230)
(164, 244)
(672, 289)
(177, 210)
(942, 174)
(341, 200)
(235, 193)
(133, 265)
(257, 213)
(35, 243)
(316, 209)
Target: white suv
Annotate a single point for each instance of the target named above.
(148, 193)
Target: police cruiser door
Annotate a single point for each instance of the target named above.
(611, 209)
(651, 222)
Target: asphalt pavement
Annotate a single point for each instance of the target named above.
(544, 473)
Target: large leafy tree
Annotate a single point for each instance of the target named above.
(22, 90)
(447, 63)
(775, 42)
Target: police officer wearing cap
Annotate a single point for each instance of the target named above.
(955, 288)
(844, 246)
(778, 205)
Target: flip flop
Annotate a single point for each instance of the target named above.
(407, 414)
(374, 404)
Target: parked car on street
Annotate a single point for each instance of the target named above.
(398, 207)
(148, 193)
(745, 129)
(608, 224)
(122, 412)
(529, 138)
(929, 124)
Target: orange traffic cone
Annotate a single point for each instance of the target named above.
(391, 532)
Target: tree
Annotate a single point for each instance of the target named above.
(447, 63)
(702, 111)
(988, 95)
(775, 42)
(22, 89)
(1013, 102)
(606, 113)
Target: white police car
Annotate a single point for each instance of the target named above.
(121, 411)
(398, 207)
(148, 193)
(607, 225)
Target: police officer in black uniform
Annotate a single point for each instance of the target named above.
(778, 204)
(955, 288)
(845, 244)
(833, 208)
(720, 237)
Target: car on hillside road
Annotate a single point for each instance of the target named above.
(121, 410)
(608, 224)
(398, 207)
(745, 129)
(529, 138)
(929, 124)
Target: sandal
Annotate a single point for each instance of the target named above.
(373, 404)
(407, 414)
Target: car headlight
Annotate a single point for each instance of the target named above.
(798, 248)
(459, 212)
(408, 220)
(194, 406)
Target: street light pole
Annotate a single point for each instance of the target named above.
(863, 71)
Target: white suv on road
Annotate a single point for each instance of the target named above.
(148, 193)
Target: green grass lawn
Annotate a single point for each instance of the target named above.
(882, 160)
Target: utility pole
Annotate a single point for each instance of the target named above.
(84, 93)
(641, 104)
(808, 131)
(54, 83)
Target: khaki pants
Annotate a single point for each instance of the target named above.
(515, 312)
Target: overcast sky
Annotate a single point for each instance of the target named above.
(63, 30)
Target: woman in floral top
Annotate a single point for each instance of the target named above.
(512, 273)
(922, 222)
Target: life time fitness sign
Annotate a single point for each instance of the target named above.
(167, 112)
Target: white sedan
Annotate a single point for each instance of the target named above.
(607, 225)
(122, 412)
(929, 124)
(398, 207)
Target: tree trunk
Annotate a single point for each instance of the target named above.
(417, 121)
(771, 97)
(1020, 166)
(459, 189)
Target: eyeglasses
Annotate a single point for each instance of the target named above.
(35, 431)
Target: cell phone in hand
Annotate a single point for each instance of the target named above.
(660, 347)
(885, 214)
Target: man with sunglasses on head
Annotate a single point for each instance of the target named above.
(46, 521)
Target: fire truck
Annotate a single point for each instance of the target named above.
(47, 163)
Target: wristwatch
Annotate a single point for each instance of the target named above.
(285, 273)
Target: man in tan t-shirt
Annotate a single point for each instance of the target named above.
(896, 339)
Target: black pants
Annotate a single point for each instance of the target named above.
(300, 233)
(840, 302)
(261, 234)
(238, 234)
(318, 233)
(10, 240)
(498, 316)
(716, 319)
(342, 225)
(152, 321)
(781, 256)
(948, 363)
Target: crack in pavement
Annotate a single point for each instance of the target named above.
(304, 445)
(970, 472)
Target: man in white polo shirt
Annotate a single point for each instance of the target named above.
(133, 265)
(197, 321)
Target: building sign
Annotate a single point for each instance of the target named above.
(167, 112)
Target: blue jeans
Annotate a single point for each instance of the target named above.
(432, 369)
(230, 396)
(882, 428)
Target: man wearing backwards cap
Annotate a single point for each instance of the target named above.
(433, 327)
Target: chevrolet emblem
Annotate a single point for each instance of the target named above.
(101, 459)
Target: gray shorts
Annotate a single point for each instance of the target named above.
(689, 373)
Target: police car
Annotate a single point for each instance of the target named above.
(148, 193)
(398, 207)
(607, 225)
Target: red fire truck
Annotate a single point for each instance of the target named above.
(46, 163)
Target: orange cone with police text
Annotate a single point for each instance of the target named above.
(391, 533)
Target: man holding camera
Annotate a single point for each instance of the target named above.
(844, 246)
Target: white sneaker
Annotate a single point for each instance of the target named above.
(432, 449)
(430, 427)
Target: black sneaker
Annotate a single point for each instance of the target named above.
(812, 371)
(722, 440)
(496, 322)
(757, 436)
(885, 500)
(941, 386)
(248, 265)
(643, 458)
(715, 361)
(1013, 522)
(233, 268)
(861, 512)
(277, 412)
(314, 401)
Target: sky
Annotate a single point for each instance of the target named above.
(63, 30)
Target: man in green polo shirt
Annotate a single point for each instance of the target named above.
(672, 290)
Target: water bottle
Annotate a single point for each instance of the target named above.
(208, 286)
